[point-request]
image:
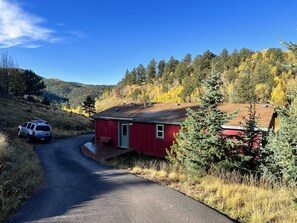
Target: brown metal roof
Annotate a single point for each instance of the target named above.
(176, 113)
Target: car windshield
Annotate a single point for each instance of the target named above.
(43, 128)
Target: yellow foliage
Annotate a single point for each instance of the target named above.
(77, 110)
(277, 80)
(172, 95)
(274, 71)
(194, 97)
(230, 92)
(292, 84)
(242, 67)
(278, 96)
(255, 56)
(262, 92)
(264, 53)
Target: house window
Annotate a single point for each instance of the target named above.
(160, 131)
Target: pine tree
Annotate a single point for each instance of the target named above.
(141, 74)
(183, 69)
(169, 70)
(161, 66)
(247, 149)
(89, 105)
(279, 159)
(199, 144)
(34, 84)
(151, 71)
(280, 155)
(17, 84)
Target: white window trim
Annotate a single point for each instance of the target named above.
(158, 131)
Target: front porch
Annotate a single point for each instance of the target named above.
(101, 152)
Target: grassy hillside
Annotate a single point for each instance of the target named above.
(14, 112)
(20, 170)
(76, 92)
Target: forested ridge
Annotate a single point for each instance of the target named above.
(264, 75)
(72, 93)
(28, 85)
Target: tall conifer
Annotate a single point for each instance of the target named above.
(199, 144)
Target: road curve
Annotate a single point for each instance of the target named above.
(77, 189)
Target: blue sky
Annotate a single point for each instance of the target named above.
(95, 41)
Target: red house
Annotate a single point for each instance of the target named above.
(149, 128)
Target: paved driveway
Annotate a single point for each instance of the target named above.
(77, 189)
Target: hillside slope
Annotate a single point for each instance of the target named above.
(61, 91)
(14, 112)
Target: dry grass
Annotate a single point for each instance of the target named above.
(14, 112)
(20, 173)
(246, 199)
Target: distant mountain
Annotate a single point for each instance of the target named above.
(62, 91)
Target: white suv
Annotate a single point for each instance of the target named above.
(36, 130)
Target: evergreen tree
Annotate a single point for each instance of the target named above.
(189, 85)
(199, 144)
(161, 66)
(245, 54)
(244, 88)
(169, 70)
(279, 158)
(202, 65)
(275, 55)
(34, 84)
(89, 105)
(224, 55)
(141, 74)
(234, 59)
(205, 62)
(46, 101)
(151, 71)
(262, 74)
(129, 78)
(133, 77)
(247, 149)
(197, 74)
(17, 83)
(125, 80)
(183, 69)
(280, 155)
(188, 59)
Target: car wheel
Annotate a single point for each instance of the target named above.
(28, 139)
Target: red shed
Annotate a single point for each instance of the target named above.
(149, 128)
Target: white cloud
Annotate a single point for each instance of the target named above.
(19, 28)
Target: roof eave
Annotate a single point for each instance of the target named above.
(169, 122)
(243, 128)
(139, 120)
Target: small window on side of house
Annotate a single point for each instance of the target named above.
(160, 131)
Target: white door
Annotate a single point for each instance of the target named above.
(124, 135)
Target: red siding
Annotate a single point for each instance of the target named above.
(142, 136)
(143, 139)
(107, 128)
(232, 132)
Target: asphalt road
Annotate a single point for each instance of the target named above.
(77, 189)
